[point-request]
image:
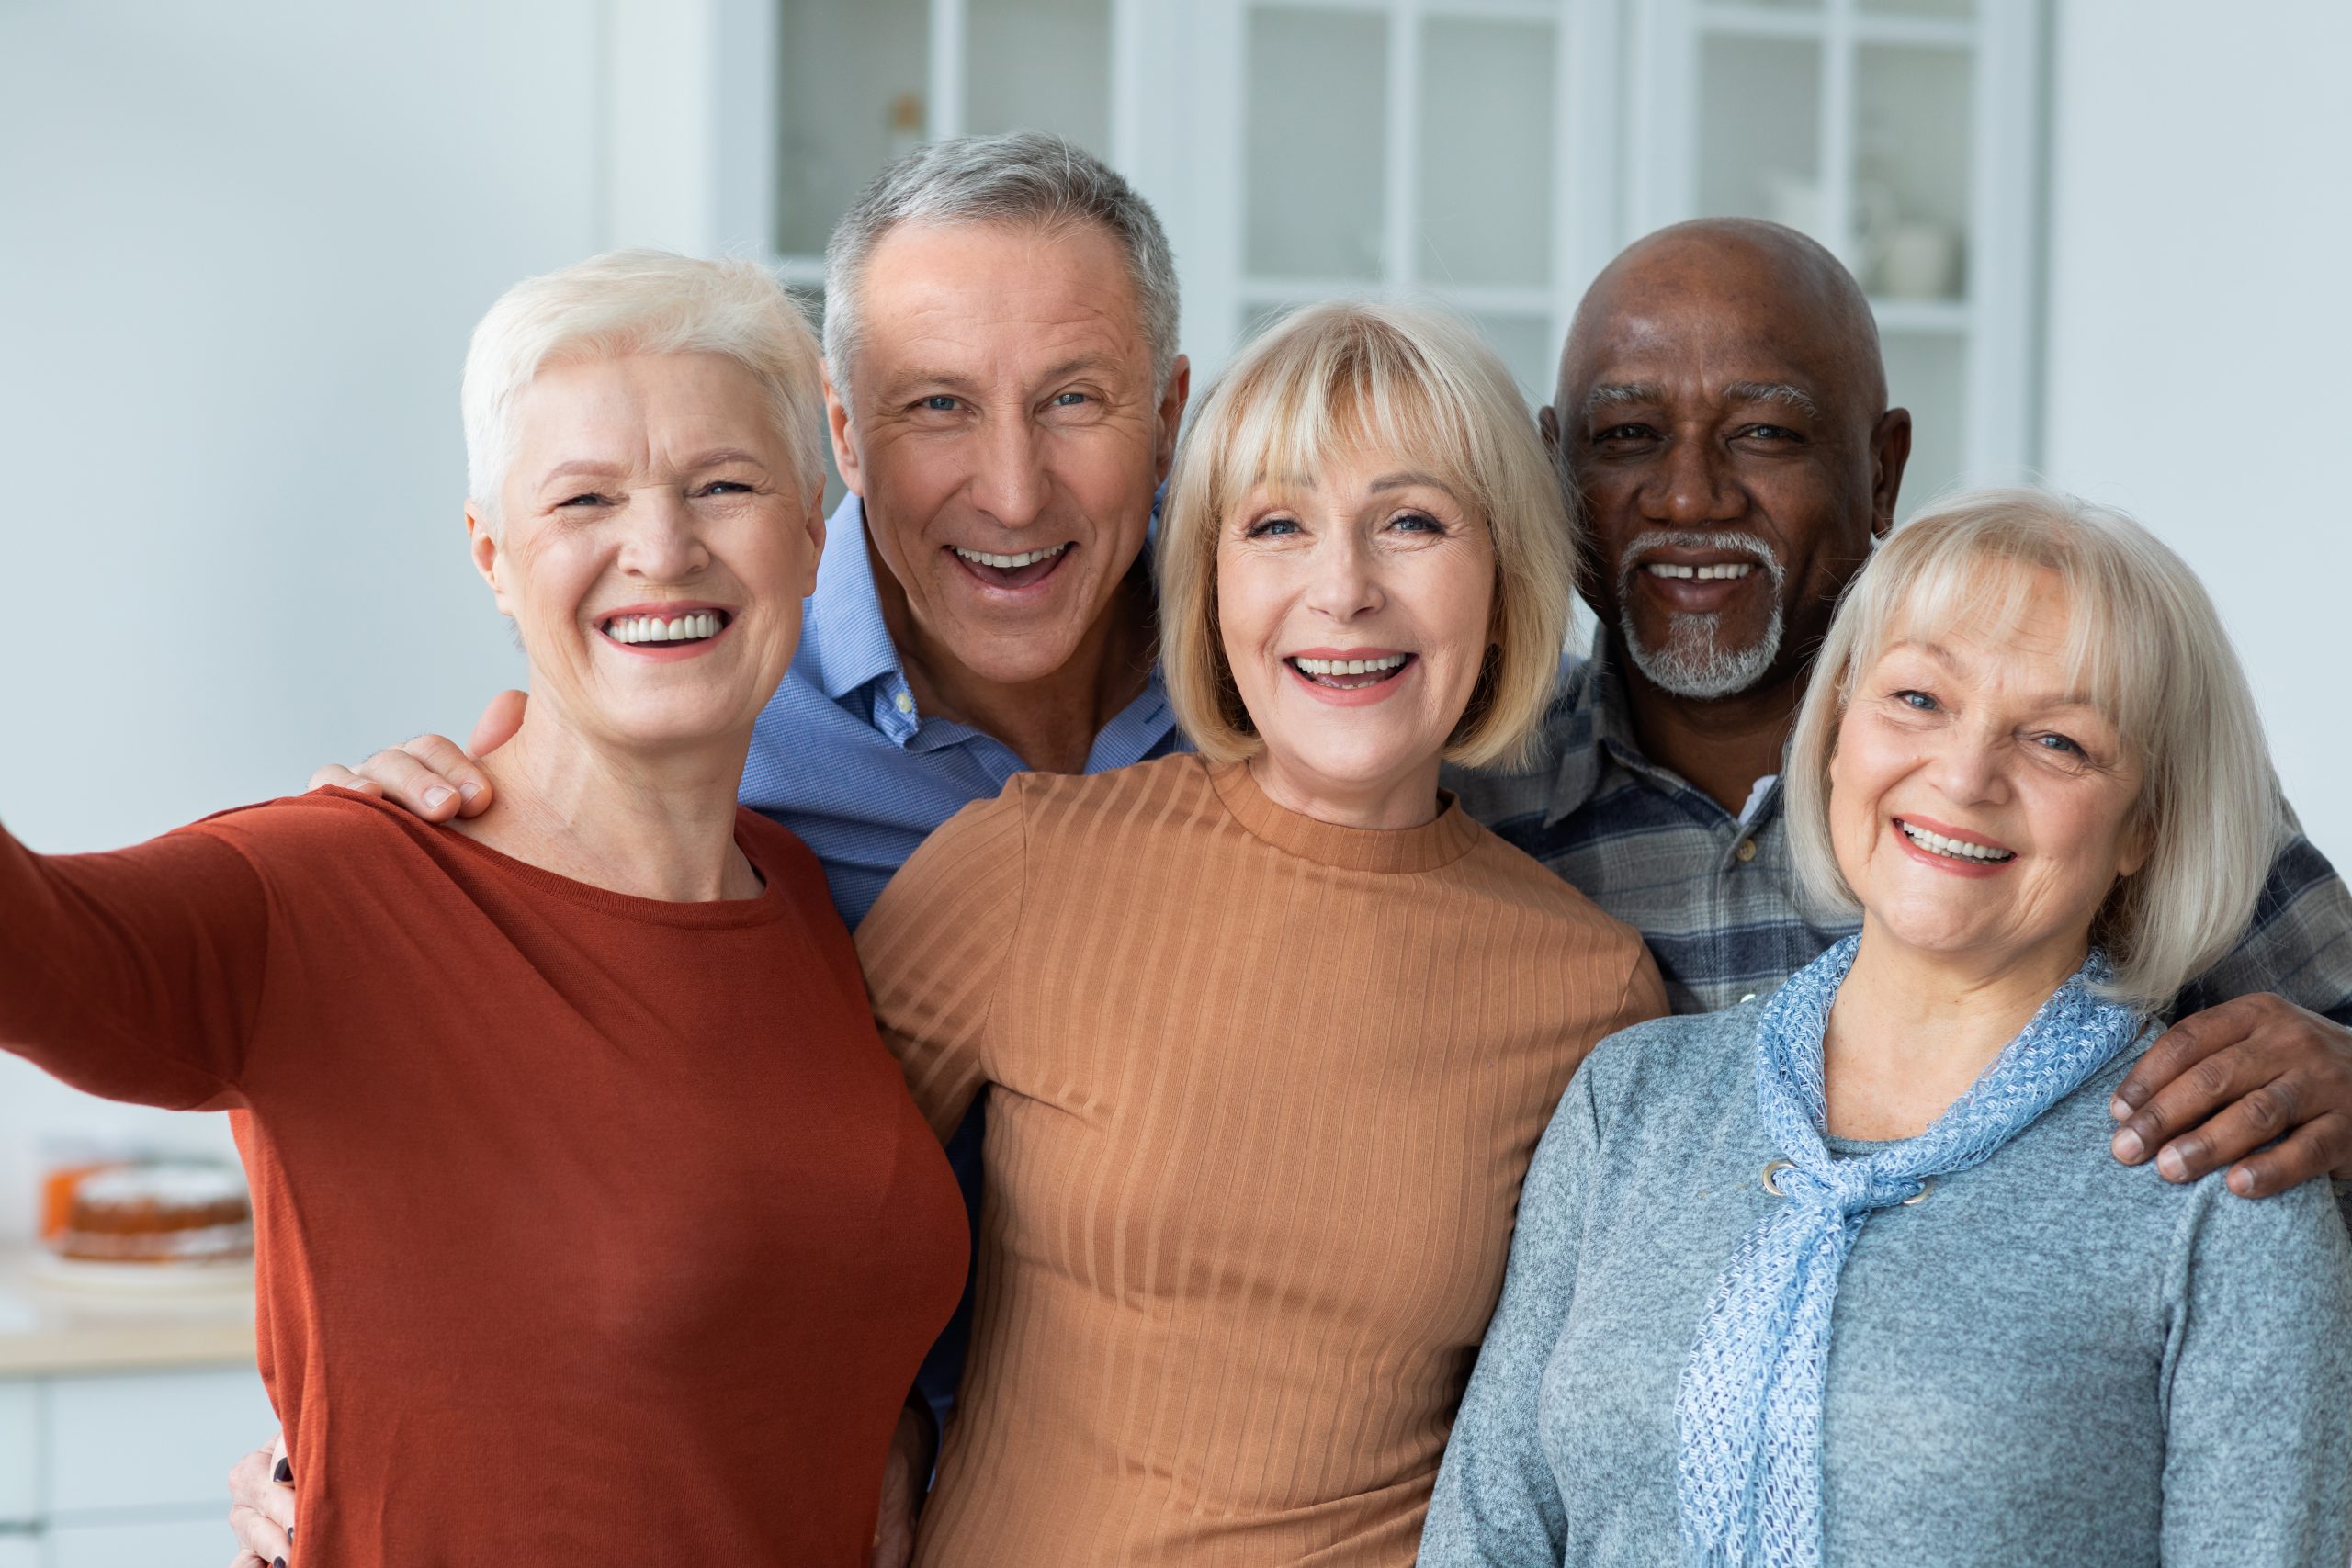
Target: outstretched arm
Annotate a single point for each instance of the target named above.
(136, 975)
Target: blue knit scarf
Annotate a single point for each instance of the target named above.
(1749, 1414)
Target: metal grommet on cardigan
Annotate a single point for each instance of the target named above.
(1774, 1166)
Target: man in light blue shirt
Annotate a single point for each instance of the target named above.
(847, 759)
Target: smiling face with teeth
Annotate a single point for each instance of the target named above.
(1006, 436)
(654, 549)
(1356, 607)
(1980, 806)
(1723, 410)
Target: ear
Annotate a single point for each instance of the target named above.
(1890, 451)
(1547, 424)
(489, 556)
(816, 535)
(844, 449)
(2138, 843)
(1172, 398)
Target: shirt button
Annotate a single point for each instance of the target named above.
(906, 702)
(1747, 851)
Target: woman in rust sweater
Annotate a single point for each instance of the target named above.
(1269, 1032)
(595, 1224)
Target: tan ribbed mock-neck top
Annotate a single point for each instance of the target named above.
(1262, 1089)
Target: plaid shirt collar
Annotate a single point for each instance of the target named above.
(1593, 726)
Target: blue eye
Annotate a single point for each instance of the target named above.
(588, 499)
(1919, 700)
(2059, 744)
(727, 487)
(1418, 521)
(938, 402)
(1071, 399)
(1273, 527)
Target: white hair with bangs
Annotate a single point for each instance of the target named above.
(2145, 643)
(641, 301)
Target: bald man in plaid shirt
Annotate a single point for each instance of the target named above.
(1722, 414)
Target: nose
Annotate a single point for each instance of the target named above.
(1966, 768)
(662, 544)
(1010, 485)
(1343, 582)
(1691, 485)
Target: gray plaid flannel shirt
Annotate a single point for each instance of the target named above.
(1716, 898)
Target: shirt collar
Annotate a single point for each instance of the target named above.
(1590, 714)
(844, 643)
(1592, 723)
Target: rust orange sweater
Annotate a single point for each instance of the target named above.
(1261, 1093)
(592, 1228)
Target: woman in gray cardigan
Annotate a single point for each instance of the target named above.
(2031, 762)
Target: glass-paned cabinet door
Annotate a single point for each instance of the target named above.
(1412, 146)
(852, 93)
(1316, 129)
(1039, 66)
(1759, 131)
(863, 82)
(1484, 185)
(1862, 123)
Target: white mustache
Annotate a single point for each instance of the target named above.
(1653, 541)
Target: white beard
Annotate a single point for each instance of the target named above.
(1692, 663)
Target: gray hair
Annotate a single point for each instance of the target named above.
(2150, 650)
(639, 301)
(1024, 177)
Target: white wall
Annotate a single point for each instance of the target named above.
(240, 247)
(2200, 330)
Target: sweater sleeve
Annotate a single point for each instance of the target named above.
(936, 948)
(136, 975)
(1496, 1501)
(2258, 1419)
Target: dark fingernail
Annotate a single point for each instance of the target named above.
(2241, 1182)
(2128, 1147)
(2173, 1163)
(277, 1563)
(284, 1473)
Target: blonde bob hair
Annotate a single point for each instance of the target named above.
(2145, 643)
(1406, 380)
(641, 301)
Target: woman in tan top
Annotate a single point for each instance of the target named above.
(1271, 1030)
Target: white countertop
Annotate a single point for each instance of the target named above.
(49, 1328)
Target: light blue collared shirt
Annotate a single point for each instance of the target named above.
(844, 758)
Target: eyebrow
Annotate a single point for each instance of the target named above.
(1406, 481)
(1610, 394)
(588, 467)
(1943, 656)
(1780, 392)
(904, 386)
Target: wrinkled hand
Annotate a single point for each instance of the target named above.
(902, 1483)
(2224, 1082)
(260, 1507)
(429, 776)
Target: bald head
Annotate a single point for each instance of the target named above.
(1786, 282)
(1722, 407)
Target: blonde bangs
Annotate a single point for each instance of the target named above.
(1407, 380)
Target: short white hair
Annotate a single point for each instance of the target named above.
(1021, 177)
(639, 301)
(2147, 644)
